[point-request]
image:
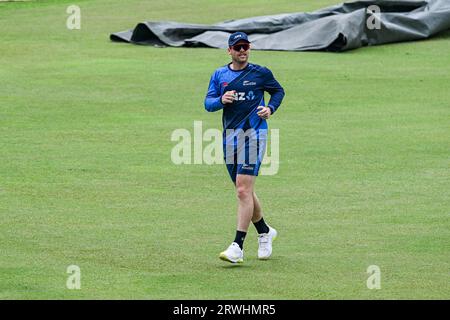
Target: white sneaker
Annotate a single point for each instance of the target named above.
(265, 243)
(233, 254)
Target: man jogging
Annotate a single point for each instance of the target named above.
(238, 88)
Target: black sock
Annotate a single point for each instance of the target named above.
(261, 226)
(240, 237)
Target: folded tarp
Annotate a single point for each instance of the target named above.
(338, 28)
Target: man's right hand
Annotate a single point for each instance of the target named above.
(228, 97)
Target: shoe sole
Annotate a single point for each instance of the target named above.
(267, 258)
(223, 257)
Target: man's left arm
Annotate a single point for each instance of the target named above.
(276, 91)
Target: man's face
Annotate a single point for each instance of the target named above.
(240, 52)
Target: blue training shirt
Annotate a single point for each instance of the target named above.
(249, 84)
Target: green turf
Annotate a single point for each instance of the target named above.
(86, 176)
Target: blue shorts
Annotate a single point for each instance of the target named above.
(245, 158)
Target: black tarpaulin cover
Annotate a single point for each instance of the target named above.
(337, 28)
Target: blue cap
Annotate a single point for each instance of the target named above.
(236, 37)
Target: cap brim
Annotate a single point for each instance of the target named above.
(245, 40)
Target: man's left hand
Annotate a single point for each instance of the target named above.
(264, 112)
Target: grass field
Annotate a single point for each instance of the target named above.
(86, 176)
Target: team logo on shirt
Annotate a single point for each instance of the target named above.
(241, 96)
(224, 84)
(250, 95)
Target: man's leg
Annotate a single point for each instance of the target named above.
(244, 192)
(257, 219)
(257, 211)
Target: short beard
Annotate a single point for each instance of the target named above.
(239, 61)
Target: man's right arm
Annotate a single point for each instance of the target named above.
(213, 99)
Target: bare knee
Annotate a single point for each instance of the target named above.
(244, 189)
(244, 193)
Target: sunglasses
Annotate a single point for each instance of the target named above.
(238, 47)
